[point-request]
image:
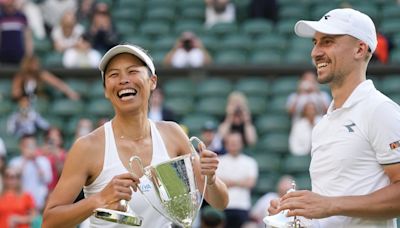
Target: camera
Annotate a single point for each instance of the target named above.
(187, 44)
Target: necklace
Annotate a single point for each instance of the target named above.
(138, 138)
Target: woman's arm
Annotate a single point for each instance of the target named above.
(59, 84)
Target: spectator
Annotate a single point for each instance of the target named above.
(35, 170)
(188, 51)
(53, 150)
(267, 9)
(3, 151)
(238, 119)
(212, 218)
(16, 38)
(84, 127)
(219, 11)
(239, 185)
(300, 134)
(34, 17)
(82, 55)
(102, 32)
(30, 80)
(53, 11)
(25, 121)
(307, 90)
(85, 10)
(259, 210)
(210, 137)
(2, 170)
(67, 33)
(158, 111)
(17, 207)
(382, 51)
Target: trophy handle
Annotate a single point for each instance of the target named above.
(194, 154)
(140, 164)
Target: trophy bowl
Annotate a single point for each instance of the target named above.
(175, 186)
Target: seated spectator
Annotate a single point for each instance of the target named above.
(267, 9)
(66, 34)
(17, 206)
(3, 150)
(219, 11)
(34, 16)
(307, 90)
(31, 79)
(382, 51)
(53, 150)
(157, 110)
(300, 134)
(211, 138)
(239, 172)
(3, 164)
(35, 170)
(238, 119)
(82, 55)
(16, 37)
(53, 11)
(84, 127)
(102, 32)
(188, 52)
(259, 210)
(212, 218)
(26, 121)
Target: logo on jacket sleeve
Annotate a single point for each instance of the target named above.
(350, 127)
(394, 145)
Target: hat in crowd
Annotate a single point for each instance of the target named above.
(209, 126)
(126, 48)
(344, 21)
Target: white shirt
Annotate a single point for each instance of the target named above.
(212, 17)
(193, 58)
(349, 147)
(32, 181)
(237, 168)
(74, 58)
(113, 166)
(300, 136)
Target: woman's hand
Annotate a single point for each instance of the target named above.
(119, 188)
(208, 163)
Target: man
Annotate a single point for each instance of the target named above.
(355, 166)
(35, 170)
(239, 172)
(98, 162)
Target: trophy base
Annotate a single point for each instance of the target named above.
(117, 217)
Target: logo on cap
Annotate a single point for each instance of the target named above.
(326, 17)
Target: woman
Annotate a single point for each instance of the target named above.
(238, 119)
(98, 162)
(31, 79)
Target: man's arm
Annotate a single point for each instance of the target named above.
(381, 204)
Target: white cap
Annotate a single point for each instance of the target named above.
(126, 48)
(340, 22)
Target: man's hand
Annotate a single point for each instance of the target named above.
(305, 203)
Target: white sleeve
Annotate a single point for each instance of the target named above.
(384, 132)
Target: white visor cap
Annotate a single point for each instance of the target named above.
(126, 48)
(344, 21)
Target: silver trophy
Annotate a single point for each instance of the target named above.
(175, 185)
(281, 220)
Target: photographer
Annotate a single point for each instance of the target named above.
(188, 52)
(238, 119)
